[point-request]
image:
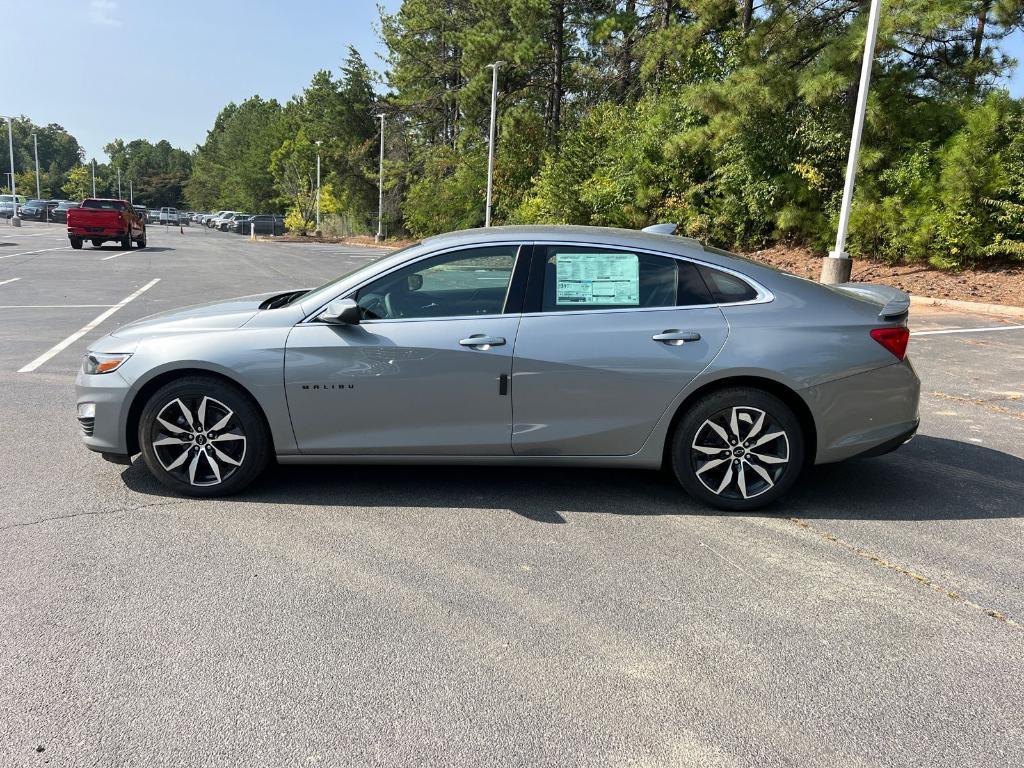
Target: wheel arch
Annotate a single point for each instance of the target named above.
(786, 394)
(146, 391)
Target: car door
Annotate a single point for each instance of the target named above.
(608, 338)
(425, 371)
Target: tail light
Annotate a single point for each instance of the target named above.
(893, 339)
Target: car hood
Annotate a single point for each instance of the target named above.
(215, 316)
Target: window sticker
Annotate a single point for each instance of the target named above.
(597, 278)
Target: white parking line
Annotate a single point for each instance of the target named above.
(51, 306)
(11, 280)
(969, 330)
(34, 234)
(29, 253)
(85, 329)
(113, 255)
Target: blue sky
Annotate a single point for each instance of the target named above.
(155, 69)
(163, 69)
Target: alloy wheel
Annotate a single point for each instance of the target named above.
(740, 452)
(199, 440)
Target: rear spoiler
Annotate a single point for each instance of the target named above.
(894, 302)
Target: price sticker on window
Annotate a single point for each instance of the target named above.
(597, 278)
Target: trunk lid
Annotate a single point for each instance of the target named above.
(893, 304)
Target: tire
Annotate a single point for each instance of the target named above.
(716, 466)
(181, 458)
(126, 241)
(141, 243)
(97, 243)
(76, 243)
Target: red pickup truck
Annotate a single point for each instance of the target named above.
(100, 220)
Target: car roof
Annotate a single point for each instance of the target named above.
(609, 236)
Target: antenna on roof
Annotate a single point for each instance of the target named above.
(661, 229)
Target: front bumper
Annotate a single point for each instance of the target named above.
(867, 414)
(109, 393)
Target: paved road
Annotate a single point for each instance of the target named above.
(365, 616)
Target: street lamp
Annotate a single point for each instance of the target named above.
(131, 192)
(836, 267)
(15, 221)
(35, 143)
(118, 183)
(94, 177)
(490, 149)
(380, 186)
(318, 187)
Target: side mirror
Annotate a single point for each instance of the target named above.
(415, 282)
(341, 312)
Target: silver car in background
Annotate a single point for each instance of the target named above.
(554, 346)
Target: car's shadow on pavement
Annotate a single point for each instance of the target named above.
(929, 479)
(119, 249)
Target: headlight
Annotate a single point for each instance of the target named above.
(96, 362)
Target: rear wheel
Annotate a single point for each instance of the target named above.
(201, 436)
(738, 449)
(76, 242)
(126, 241)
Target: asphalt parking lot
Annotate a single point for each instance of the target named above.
(359, 615)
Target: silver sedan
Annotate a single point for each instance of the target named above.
(555, 346)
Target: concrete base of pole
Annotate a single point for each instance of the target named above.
(378, 238)
(835, 269)
(15, 221)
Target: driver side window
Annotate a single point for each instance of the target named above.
(471, 281)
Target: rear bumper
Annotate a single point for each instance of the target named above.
(865, 415)
(90, 232)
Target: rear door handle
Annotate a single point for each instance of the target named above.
(482, 341)
(675, 337)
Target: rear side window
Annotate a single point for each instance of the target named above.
(726, 288)
(592, 277)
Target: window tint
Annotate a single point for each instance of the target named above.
(466, 282)
(726, 288)
(106, 205)
(592, 277)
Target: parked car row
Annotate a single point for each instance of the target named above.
(34, 210)
(242, 223)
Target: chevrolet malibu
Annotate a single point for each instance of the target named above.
(552, 346)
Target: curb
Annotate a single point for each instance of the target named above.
(1002, 310)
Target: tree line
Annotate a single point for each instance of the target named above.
(157, 171)
(731, 118)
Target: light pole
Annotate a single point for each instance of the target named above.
(35, 143)
(94, 177)
(15, 221)
(318, 187)
(131, 193)
(118, 183)
(380, 186)
(836, 267)
(490, 148)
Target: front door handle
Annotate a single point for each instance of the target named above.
(482, 341)
(675, 337)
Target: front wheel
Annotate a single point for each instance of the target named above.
(201, 436)
(738, 449)
(141, 242)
